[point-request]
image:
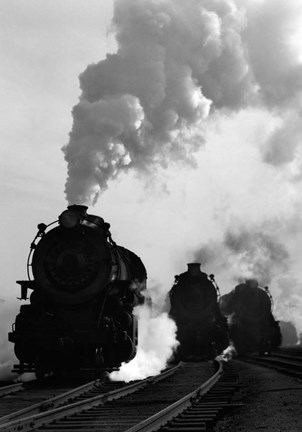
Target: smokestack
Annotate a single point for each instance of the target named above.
(72, 216)
(81, 210)
(194, 268)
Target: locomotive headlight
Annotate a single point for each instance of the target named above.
(69, 219)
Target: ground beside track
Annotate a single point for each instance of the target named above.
(273, 402)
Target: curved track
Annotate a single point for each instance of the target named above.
(11, 389)
(286, 360)
(144, 405)
(33, 398)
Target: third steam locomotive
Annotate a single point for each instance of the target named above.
(252, 326)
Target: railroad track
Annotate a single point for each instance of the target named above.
(10, 389)
(188, 397)
(71, 401)
(29, 399)
(287, 360)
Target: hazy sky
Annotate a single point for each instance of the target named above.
(187, 138)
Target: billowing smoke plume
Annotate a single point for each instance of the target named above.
(283, 145)
(177, 62)
(141, 106)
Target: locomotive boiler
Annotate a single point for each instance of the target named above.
(252, 326)
(84, 287)
(201, 329)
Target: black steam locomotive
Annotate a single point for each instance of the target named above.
(251, 323)
(84, 288)
(201, 329)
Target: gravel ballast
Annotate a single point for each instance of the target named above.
(272, 402)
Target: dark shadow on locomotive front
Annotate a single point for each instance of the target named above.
(201, 329)
(79, 321)
(252, 326)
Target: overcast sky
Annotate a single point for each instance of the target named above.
(195, 152)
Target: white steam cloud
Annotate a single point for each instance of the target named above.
(156, 343)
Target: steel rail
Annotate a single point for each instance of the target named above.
(292, 365)
(293, 349)
(285, 356)
(50, 403)
(162, 417)
(36, 420)
(13, 388)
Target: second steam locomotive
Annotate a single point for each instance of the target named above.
(84, 288)
(201, 329)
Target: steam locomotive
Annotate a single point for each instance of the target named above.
(251, 323)
(84, 288)
(201, 329)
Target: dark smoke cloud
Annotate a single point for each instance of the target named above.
(140, 107)
(283, 144)
(176, 63)
(269, 36)
(272, 36)
(246, 253)
(289, 333)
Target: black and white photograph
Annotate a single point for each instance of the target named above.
(151, 223)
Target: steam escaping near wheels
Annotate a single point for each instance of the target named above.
(156, 345)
